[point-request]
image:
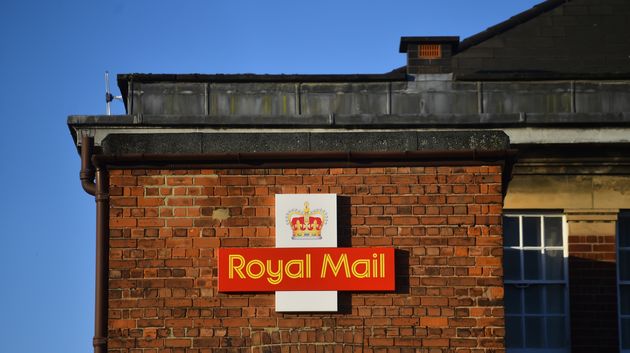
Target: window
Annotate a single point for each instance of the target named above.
(535, 280)
(623, 261)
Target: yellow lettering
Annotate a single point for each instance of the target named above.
(300, 268)
(343, 260)
(308, 265)
(382, 257)
(374, 266)
(261, 267)
(238, 268)
(366, 268)
(275, 276)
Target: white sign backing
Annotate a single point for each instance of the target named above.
(306, 221)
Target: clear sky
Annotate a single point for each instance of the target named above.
(53, 54)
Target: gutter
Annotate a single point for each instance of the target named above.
(96, 183)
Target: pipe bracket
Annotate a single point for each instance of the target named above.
(99, 341)
(102, 196)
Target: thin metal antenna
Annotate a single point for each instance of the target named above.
(108, 95)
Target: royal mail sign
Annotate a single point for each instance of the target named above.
(306, 269)
(303, 269)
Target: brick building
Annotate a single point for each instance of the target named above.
(496, 166)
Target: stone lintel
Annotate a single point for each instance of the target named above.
(587, 222)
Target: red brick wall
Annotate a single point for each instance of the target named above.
(445, 222)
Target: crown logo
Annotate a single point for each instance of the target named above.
(306, 224)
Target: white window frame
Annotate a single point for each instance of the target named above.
(620, 282)
(525, 283)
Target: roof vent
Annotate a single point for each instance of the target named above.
(430, 51)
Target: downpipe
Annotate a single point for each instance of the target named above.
(95, 181)
(87, 170)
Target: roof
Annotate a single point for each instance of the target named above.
(492, 55)
(490, 32)
(512, 22)
(557, 39)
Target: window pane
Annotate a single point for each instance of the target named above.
(625, 333)
(513, 332)
(554, 266)
(534, 299)
(533, 267)
(510, 231)
(531, 231)
(556, 332)
(513, 303)
(624, 231)
(624, 265)
(512, 264)
(553, 231)
(555, 299)
(625, 299)
(534, 331)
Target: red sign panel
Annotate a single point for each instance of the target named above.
(306, 269)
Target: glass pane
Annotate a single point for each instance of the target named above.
(624, 265)
(513, 332)
(531, 231)
(510, 231)
(553, 231)
(534, 331)
(625, 333)
(556, 332)
(513, 304)
(555, 299)
(624, 299)
(533, 267)
(624, 231)
(534, 299)
(512, 264)
(554, 264)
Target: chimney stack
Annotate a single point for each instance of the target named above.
(428, 55)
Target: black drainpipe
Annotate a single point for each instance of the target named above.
(95, 182)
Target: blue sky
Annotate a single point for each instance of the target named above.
(52, 58)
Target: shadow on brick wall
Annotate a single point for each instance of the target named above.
(343, 222)
(593, 305)
(402, 271)
(344, 239)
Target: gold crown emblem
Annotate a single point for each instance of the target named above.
(306, 224)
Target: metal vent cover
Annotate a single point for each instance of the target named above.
(430, 51)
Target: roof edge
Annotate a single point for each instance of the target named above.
(125, 79)
(249, 77)
(516, 76)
